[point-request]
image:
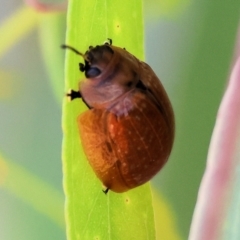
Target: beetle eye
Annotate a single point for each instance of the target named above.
(92, 72)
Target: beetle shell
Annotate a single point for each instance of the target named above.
(127, 134)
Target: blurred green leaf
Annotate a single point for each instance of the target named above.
(204, 57)
(91, 214)
(52, 35)
(165, 218)
(215, 215)
(155, 9)
(32, 190)
(26, 17)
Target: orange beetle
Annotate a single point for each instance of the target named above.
(128, 131)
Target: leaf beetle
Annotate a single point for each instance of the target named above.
(128, 132)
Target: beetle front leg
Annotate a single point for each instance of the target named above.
(71, 95)
(105, 190)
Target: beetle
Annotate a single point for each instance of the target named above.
(128, 132)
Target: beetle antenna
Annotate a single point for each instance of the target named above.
(73, 49)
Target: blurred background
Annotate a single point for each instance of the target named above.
(189, 45)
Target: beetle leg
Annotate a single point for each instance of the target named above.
(109, 42)
(105, 190)
(71, 95)
(81, 67)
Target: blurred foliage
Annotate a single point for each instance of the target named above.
(53, 25)
(189, 45)
(3, 171)
(13, 34)
(155, 9)
(195, 54)
(221, 176)
(165, 218)
(32, 190)
(6, 85)
(30, 205)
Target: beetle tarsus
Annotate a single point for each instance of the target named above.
(105, 190)
(73, 94)
(81, 67)
(109, 42)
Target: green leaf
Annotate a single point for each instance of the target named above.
(90, 214)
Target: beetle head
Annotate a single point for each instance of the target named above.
(96, 59)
